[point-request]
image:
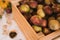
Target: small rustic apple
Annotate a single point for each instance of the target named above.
(54, 25)
(33, 4)
(48, 10)
(35, 20)
(41, 13)
(37, 28)
(24, 8)
(46, 31)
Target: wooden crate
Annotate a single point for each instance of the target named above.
(26, 28)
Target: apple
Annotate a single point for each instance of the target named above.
(54, 25)
(24, 8)
(41, 13)
(48, 10)
(46, 31)
(37, 28)
(33, 4)
(35, 20)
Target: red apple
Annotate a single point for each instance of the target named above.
(35, 20)
(48, 10)
(33, 4)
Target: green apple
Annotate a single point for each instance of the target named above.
(41, 13)
(24, 8)
(37, 28)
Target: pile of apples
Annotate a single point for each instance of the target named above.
(43, 15)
